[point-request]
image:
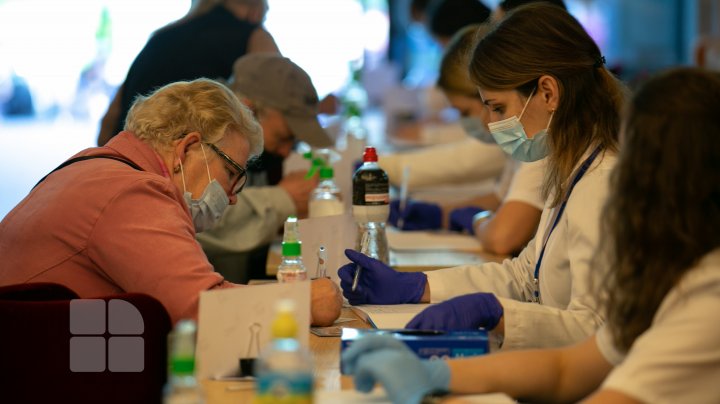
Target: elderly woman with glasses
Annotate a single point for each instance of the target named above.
(123, 217)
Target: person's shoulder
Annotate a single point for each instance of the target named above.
(601, 168)
(705, 274)
(607, 160)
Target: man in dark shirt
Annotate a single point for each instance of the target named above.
(205, 43)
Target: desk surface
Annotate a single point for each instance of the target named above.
(414, 260)
(326, 356)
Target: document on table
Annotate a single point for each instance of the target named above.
(335, 233)
(426, 240)
(388, 316)
(236, 323)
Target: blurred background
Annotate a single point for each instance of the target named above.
(62, 61)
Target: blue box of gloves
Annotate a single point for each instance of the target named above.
(427, 344)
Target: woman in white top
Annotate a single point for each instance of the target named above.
(542, 75)
(660, 341)
(510, 214)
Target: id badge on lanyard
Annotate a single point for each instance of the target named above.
(556, 219)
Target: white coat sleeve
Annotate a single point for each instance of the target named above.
(253, 221)
(465, 161)
(569, 310)
(512, 279)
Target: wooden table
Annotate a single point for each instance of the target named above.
(413, 260)
(326, 357)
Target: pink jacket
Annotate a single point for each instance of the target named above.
(102, 227)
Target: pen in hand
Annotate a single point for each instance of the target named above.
(403, 196)
(363, 249)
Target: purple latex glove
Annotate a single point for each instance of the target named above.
(461, 219)
(378, 283)
(416, 215)
(467, 312)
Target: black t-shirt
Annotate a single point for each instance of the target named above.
(205, 46)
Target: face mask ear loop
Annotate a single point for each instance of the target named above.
(206, 164)
(182, 175)
(552, 113)
(527, 103)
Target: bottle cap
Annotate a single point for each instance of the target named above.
(326, 173)
(284, 325)
(291, 238)
(370, 154)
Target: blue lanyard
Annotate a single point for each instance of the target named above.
(583, 169)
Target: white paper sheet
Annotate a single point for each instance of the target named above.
(426, 240)
(234, 323)
(388, 316)
(336, 233)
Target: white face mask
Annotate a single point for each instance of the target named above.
(475, 127)
(511, 137)
(206, 211)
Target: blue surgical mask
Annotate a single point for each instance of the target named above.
(511, 137)
(475, 127)
(206, 211)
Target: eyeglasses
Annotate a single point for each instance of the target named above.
(239, 182)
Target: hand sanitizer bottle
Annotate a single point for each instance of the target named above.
(291, 267)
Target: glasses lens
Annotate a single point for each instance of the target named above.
(239, 183)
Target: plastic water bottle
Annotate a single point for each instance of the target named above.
(284, 370)
(182, 386)
(291, 268)
(371, 207)
(325, 199)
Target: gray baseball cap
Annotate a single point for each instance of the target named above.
(278, 83)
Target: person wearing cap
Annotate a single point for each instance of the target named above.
(204, 43)
(122, 218)
(285, 103)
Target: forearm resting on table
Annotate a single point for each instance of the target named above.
(486, 202)
(550, 375)
(509, 229)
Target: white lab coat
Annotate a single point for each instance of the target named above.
(568, 312)
(462, 162)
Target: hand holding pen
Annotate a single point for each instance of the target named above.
(379, 284)
(415, 215)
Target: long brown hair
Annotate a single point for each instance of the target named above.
(663, 214)
(454, 77)
(542, 39)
